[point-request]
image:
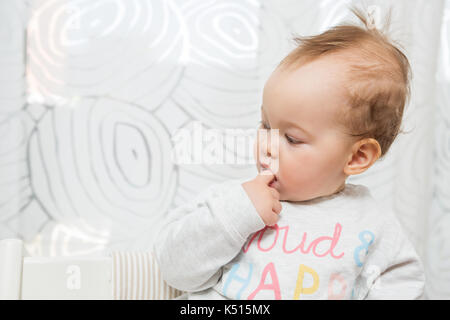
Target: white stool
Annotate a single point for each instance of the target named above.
(119, 276)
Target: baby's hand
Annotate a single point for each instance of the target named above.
(265, 199)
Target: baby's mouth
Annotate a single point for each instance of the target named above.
(273, 181)
(264, 166)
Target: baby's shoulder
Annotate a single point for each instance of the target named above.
(381, 214)
(368, 209)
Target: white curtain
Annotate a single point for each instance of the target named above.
(92, 93)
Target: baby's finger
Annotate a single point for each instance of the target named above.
(273, 220)
(266, 176)
(276, 207)
(275, 193)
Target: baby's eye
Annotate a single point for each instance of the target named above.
(293, 141)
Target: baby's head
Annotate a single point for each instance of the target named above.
(337, 101)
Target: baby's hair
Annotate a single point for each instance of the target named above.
(378, 77)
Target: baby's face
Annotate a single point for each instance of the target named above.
(312, 148)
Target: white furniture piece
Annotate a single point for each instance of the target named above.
(119, 276)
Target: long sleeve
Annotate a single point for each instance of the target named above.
(198, 238)
(402, 277)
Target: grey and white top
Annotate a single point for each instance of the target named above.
(342, 246)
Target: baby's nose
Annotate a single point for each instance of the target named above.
(270, 143)
(267, 149)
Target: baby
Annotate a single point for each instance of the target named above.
(298, 230)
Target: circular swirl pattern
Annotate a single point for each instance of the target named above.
(111, 47)
(104, 162)
(223, 38)
(15, 191)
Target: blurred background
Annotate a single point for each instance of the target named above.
(92, 93)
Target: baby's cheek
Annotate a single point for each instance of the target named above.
(296, 169)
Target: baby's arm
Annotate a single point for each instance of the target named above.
(200, 237)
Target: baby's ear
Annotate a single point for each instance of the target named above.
(364, 153)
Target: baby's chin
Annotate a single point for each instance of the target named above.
(292, 199)
(298, 197)
(285, 195)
